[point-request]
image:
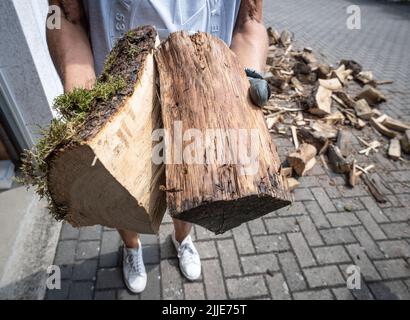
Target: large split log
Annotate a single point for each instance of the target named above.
(204, 87)
(106, 176)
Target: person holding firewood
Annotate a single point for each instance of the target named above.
(89, 30)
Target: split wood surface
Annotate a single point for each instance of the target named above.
(108, 178)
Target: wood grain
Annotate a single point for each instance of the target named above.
(204, 87)
(108, 177)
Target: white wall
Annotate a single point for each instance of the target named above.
(29, 83)
(27, 77)
(32, 15)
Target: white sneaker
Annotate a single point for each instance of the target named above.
(189, 261)
(135, 276)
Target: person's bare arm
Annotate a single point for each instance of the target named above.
(250, 43)
(250, 39)
(70, 47)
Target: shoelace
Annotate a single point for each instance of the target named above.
(185, 248)
(135, 264)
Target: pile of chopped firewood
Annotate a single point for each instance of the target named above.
(318, 106)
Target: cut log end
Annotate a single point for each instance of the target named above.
(92, 196)
(222, 216)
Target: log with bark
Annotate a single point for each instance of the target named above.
(303, 159)
(320, 101)
(105, 174)
(203, 87)
(101, 163)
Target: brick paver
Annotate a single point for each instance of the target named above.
(301, 252)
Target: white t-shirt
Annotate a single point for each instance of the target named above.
(110, 19)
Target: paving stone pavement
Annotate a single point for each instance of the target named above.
(301, 252)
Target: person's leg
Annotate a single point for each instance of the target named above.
(130, 238)
(133, 268)
(189, 261)
(182, 229)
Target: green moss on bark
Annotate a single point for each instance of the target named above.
(73, 108)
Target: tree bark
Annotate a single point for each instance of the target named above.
(204, 87)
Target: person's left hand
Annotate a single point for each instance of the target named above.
(259, 91)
